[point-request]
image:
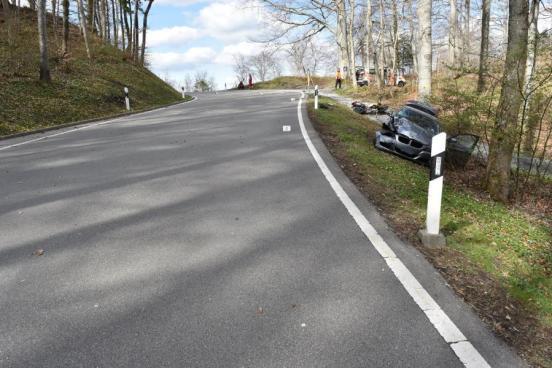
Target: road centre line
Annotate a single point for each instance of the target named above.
(464, 350)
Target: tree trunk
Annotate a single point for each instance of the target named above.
(413, 37)
(103, 19)
(135, 32)
(82, 19)
(65, 40)
(8, 18)
(533, 38)
(466, 41)
(342, 36)
(115, 24)
(351, 44)
(381, 44)
(453, 34)
(90, 18)
(370, 49)
(425, 56)
(54, 20)
(395, 30)
(43, 41)
(122, 20)
(484, 52)
(128, 27)
(144, 30)
(504, 133)
(107, 22)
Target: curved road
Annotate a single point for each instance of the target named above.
(203, 235)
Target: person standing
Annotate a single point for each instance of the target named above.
(250, 81)
(338, 79)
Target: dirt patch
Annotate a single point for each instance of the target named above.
(506, 317)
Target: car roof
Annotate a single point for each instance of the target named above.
(421, 112)
(423, 106)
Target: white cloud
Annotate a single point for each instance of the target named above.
(231, 21)
(226, 56)
(178, 61)
(174, 36)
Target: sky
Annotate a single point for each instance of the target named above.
(187, 36)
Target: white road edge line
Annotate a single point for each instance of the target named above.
(464, 350)
(75, 129)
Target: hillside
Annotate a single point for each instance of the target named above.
(291, 82)
(80, 89)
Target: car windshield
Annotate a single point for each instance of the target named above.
(419, 118)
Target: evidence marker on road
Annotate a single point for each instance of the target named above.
(286, 128)
(430, 236)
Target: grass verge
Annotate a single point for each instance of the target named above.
(498, 259)
(291, 82)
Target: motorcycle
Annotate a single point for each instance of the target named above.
(362, 108)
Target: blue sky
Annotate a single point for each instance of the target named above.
(186, 36)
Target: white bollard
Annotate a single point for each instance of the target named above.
(183, 93)
(431, 236)
(316, 97)
(127, 101)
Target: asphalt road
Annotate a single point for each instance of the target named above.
(202, 235)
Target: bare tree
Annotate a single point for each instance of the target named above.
(484, 51)
(144, 30)
(241, 67)
(504, 133)
(370, 47)
(264, 65)
(425, 59)
(90, 14)
(528, 91)
(453, 34)
(65, 38)
(43, 42)
(80, 8)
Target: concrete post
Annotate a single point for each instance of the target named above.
(316, 97)
(127, 101)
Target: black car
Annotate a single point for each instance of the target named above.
(408, 134)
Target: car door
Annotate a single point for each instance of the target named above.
(459, 149)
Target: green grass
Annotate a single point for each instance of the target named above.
(290, 82)
(80, 89)
(513, 247)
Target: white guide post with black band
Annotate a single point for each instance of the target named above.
(430, 236)
(316, 97)
(127, 101)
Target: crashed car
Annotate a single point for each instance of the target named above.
(408, 134)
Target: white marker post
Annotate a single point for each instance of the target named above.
(183, 92)
(127, 101)
(316, 97)
(431, 237)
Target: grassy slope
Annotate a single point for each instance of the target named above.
(80, 88)
(289, 82)
(511, 247)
